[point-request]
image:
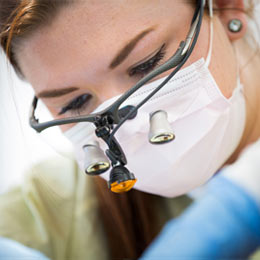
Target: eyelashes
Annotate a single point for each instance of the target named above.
(77, 105)
(80, 103)
(147, 66)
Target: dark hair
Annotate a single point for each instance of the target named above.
(20, 18)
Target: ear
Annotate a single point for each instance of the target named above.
(229, 10)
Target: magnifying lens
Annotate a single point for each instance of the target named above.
(108, 121)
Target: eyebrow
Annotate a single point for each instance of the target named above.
(119, 58)
(56, 92)
(125, 51)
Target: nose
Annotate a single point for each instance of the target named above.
(109, 88)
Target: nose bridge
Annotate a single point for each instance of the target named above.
(107, 89)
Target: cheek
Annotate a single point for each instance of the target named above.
(223, 64)
(64, 128)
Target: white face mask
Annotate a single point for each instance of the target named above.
(207, 126)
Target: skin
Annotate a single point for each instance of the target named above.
(77, 48)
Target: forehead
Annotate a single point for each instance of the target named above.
(89, 34)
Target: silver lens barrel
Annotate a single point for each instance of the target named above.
(95, 160)
(160, 129)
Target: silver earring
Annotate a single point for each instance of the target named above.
(235, 25)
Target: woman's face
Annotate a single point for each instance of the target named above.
(95, 50)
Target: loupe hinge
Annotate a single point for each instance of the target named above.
(108, 120)
(115, 159)
(115, 153)
(104, 120)
(97, 121)
(103, 132)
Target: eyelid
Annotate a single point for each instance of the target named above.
(69, 107)
(147, 58)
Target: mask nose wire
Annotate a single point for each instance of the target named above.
(187, 55)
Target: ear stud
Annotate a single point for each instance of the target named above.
(235, 25)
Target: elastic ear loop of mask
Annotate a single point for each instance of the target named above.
(209, 56)
(211, 34)
(239, 84)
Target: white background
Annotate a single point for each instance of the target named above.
(20, 146)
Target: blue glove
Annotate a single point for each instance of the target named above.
(225, 224)
(13, 250)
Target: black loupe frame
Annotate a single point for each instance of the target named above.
(108, 121)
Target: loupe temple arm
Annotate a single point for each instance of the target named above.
(173, 62)
(39, 127)
(112, 110)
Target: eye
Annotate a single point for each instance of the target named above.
(147, 66)
(77, 105)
